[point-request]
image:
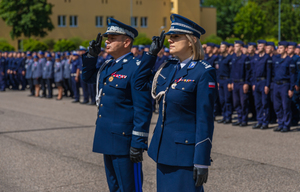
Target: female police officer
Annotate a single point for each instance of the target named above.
(186, 91)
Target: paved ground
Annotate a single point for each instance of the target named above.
(45, 145)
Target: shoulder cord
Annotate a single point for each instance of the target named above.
(160, 94)
(99, 92)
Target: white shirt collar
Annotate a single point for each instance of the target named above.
(183, 63)
(120, 58)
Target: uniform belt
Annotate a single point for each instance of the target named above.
(224, 78)
(281, 82)
(73, 74)
(238, 80)
(260, 78)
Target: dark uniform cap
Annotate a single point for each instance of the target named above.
(48, 55)
(211, 44)
(35, 57)
(298, 47)
(246, 46)
(218, 46)
(28, 54)
(41, 52)
(230, 44)
(262, 42)
(182, 25)
(270, 44)
(116, 27)
(252, 44)
(57, 56)
(225, 43)
(239, 42)
(292, 44)
(284, 43)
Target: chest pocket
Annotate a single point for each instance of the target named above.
(186, 87)
(119, 83)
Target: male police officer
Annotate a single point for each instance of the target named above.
(284, 83)
(261, 81)
(251, 54)
(240, 77)
(75, 76)
(223, 74)
(210, 57)
(295, 99)
(124, 104)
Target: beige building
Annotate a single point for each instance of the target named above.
(86, 18)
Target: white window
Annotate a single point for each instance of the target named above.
(73, 21)
(172, 5)
(61, 20)
(144, 21)
(164, 22)
(134, 21)
(99, 21)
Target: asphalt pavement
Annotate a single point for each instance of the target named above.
(46, 145)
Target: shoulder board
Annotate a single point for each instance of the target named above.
(173, 59)
(205, 64)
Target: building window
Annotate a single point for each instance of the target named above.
(73, 21)
(144, 22)
(134, 21)
(164, 22)
(172, 5)
(61, 20)
(99, 21)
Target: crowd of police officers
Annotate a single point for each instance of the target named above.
(256, 78)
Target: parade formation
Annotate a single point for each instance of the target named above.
(191, 83)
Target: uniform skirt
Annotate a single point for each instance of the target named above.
(37, 81)
(59, 84)
(176, 179)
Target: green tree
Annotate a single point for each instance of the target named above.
(213, 39)
(250, 22)
(50, 43)
(34, 45)
(226, 12)
(64, 45)
(142, 39)
(4, 46)
(76, 40)
(27, 17)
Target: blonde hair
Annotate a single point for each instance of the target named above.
(197, 50)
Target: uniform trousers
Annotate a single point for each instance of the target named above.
(75, 87)
(43, 86)
(295, 106)
(13, 81)
(68, 87)
(85, 90)
(282, 105)
(272, 111)
(225, 99)
(241, 102)
(21, 80)
(119, 173)
(49, 86)
(31, 86)
(176, 179)
(92, 92)
(261, 103)
(2, 82)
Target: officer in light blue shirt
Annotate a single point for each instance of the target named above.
(28, 75)
(48, 74)
(42, 61)
(67, 74)
(75, 76)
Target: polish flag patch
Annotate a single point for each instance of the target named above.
(211, 85)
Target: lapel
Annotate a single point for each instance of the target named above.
(171, 75)
(183, 72)
(118, 66)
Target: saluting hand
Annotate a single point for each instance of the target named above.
(157, 44)
(95, 46)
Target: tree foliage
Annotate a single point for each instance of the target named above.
(64, 45)
(34, 45)
(226, 12)
(4, 46)
(76, 40)
(250, 22)
(27, 17)
(213, 39)
(142, 39)
(50, 43)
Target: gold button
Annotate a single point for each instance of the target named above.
(186, 141)
(117, 85)
(123, 133)
(99, 116)
(146, 142)
(182, 88)
(161, 126)
(104, 83)
(103, 94)
(101, 105)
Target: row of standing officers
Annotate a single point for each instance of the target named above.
(271, 80)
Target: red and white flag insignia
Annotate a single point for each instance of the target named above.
(211, 85)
